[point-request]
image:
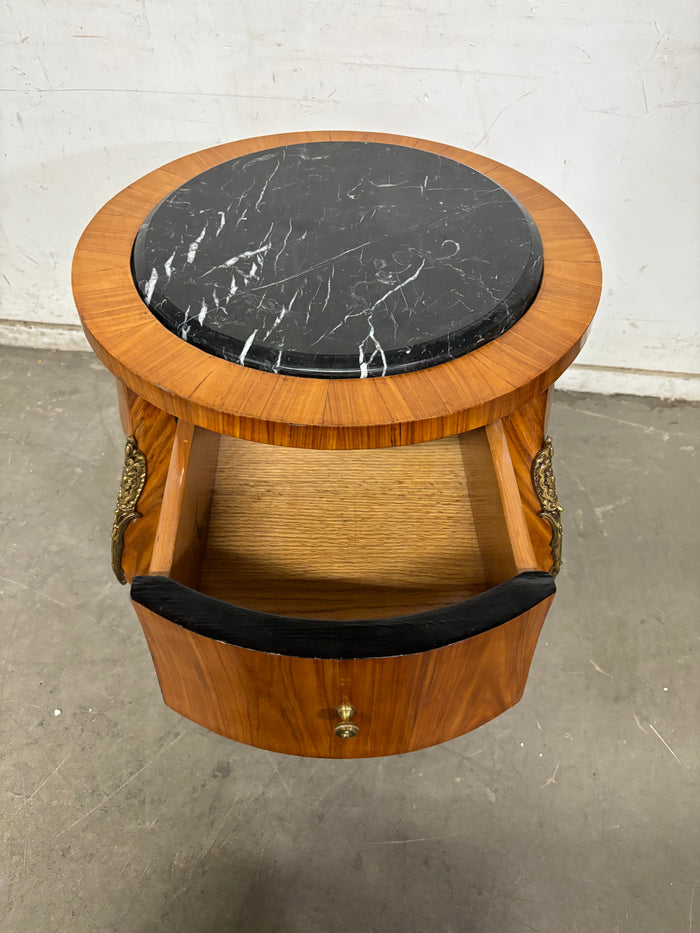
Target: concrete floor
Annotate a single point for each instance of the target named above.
(575, 811)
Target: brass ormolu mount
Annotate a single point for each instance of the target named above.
(545, 487)
(131, 487)
(346, 729)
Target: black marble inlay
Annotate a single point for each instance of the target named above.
(339, 259)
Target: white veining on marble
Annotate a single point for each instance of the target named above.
(246, 346)
(194, 246)
(151, 284)
(168, 266)
(339, 259)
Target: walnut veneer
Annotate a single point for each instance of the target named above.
(337, 499)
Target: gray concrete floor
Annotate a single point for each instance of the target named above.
(575, 811)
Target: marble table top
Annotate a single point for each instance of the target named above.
(338, 260)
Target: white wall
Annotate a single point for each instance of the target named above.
(598, 101)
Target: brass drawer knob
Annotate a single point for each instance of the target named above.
(346, 729)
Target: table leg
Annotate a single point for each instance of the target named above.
(525, 431)
(153, 431)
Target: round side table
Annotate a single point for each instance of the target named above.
(334, 355)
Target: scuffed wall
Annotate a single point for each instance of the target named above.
(599, 102)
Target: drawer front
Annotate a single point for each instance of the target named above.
(290, 705)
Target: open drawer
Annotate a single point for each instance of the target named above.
(342, 603)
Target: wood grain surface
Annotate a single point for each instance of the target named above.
(344, 534)
(154, 431)
(288, 704)
(518, 535)
(525, 430)
(444, 400)
(340, 535)
(184, 520)
(360, 498)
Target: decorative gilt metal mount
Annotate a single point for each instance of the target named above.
(545, 487)
(131, 487)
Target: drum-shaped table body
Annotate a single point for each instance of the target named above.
(334, 355)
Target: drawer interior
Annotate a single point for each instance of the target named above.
(341, 534)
